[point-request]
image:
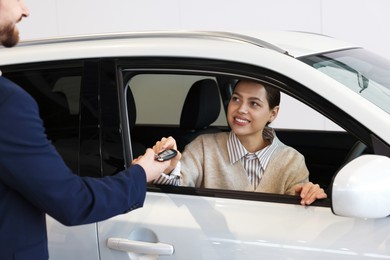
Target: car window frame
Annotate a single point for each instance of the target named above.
(213, 68)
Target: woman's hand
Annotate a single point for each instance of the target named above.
(309, 192)
(164, 144)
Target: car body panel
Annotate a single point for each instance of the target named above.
(76, 237)
(296, 43)
(218, 228)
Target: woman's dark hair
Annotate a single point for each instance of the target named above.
(273, 94)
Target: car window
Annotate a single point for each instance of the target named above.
(57, 92)
(160, 97)
(294, 114)
(159, 100)
(361, 71)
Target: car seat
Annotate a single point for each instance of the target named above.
(201, 108)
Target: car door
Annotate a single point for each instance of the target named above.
(179, 226)
(194, 223)
(57, 88)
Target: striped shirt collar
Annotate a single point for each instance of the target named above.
(237, 151)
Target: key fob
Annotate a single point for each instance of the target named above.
(166, 155)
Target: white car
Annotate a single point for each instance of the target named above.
(104, 98)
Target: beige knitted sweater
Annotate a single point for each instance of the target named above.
(205, 163)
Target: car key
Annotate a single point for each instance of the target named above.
(166, 155)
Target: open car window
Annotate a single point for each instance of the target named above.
(158, 100)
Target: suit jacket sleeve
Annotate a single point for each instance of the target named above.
(30, 165)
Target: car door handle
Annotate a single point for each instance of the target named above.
(139, 247)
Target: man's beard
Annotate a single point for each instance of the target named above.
(9, 36)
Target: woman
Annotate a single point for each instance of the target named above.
(249, 158)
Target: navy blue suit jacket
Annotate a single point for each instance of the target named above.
(34, 180)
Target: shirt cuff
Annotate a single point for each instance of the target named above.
(176, 171)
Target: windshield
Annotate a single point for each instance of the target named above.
(360, 70)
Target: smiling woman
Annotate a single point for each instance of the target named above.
(250, 157)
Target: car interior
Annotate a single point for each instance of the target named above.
(203, 111)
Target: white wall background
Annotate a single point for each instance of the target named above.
(364, 22)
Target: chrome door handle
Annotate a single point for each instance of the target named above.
(139, 247)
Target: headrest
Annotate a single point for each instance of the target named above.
(201, 106)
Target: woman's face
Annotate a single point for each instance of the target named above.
(248, 109)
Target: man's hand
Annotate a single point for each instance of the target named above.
(151, 166)
(309, 192)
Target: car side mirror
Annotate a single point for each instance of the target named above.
(361, 189)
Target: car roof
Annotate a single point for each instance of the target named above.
(292, 43)
(298, 43)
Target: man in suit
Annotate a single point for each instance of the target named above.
(34, 179)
